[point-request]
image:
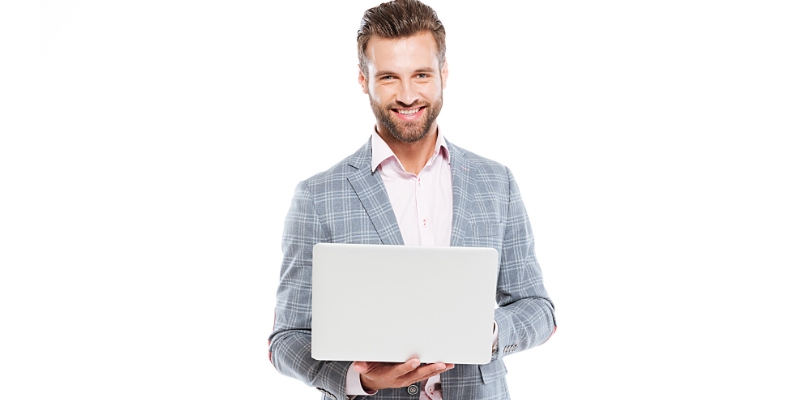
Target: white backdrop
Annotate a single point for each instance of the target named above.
(150, 152)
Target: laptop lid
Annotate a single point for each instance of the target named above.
(391, 303)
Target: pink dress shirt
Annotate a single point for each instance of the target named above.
(423, 206)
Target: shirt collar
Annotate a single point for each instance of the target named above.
(381, 151)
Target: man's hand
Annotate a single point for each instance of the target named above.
(379, 375)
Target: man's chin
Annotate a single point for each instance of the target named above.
(409, 132)
(408, 137)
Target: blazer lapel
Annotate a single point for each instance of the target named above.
(372, 193)
(459, 168)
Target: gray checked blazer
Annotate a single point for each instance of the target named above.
(348, 204)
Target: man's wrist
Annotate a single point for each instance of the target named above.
(353, 386)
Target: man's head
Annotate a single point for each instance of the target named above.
(399, 19)
(402, 67)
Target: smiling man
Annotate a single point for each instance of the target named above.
(404, 78)
(408, 185)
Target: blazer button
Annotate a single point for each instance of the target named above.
(412, 390)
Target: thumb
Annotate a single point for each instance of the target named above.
(360, 367)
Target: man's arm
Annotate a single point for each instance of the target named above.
(290, 341)
(525, 317)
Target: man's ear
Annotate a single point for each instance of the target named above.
(444, 74)
(362, 80)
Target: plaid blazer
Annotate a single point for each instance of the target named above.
(348, 204)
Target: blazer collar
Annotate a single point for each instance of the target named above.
(459, 169)
(371, 192)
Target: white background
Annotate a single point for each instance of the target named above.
(150, 150)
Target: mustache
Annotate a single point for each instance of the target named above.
(398, 104)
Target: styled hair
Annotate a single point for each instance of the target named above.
(398, 19)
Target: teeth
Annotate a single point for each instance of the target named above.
(408, 112)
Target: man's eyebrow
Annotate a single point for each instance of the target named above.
(429, 70)
(418, 70)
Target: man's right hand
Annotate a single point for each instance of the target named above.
(379, 375)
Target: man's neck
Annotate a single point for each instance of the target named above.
(414, 155)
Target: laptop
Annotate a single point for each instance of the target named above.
(391, 303)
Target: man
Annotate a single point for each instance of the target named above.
(408, 185)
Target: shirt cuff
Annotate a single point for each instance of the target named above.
(353, 384)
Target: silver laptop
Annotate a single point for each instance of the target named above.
(391, 303)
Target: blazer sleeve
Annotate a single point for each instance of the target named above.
(290, 341)
(525, 315)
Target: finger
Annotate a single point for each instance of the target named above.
(439, 366)
(361, 366)
(424, 372)
(445, 366)
(424, 377)
(406, 367)
(439, 369)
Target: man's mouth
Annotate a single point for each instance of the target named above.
(408, 112)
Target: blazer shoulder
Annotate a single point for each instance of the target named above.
(478, 162)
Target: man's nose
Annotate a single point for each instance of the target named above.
(408, 94)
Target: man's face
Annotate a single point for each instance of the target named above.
(404, 85)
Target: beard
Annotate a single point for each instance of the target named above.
(406, 131)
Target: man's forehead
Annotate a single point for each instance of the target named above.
(416, 51)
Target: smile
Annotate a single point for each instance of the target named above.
(408, 112)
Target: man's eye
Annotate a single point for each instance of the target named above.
(387, 78)
(422, 76)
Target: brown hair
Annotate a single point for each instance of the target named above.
(398, 19)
